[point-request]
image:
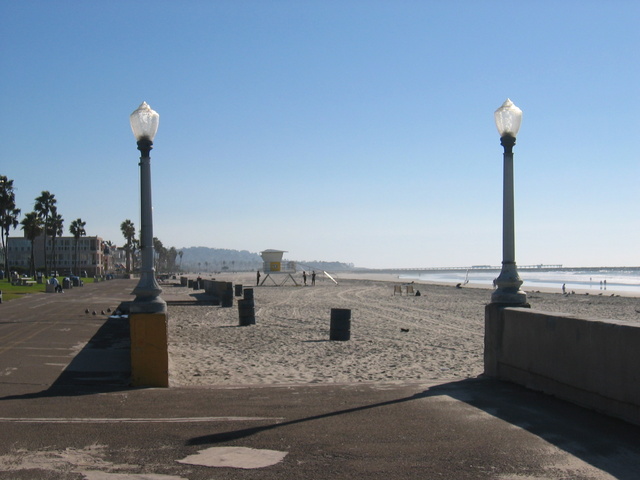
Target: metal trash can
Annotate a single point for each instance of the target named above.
(340, 324)
(246, 312)
(248, 294)
(227, 295)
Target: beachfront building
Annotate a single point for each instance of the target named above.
(91, 255)
(115, 259)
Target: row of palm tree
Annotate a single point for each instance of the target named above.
(165, 259)
(33, 226)
(8, 212)
(43, 220)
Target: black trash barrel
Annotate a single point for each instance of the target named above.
(227, 295)
(340, 324)
(248, 294)
(246, 313)
(238, 290)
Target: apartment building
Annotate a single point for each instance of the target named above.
(93, 256)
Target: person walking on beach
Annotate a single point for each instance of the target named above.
(304, 277)
(257, 278)
(564, 288)
(313, 278)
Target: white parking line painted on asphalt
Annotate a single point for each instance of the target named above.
(139, 420)
(96, 475)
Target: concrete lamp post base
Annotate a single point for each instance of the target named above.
(508, 290)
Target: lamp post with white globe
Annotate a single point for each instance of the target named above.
(144, 123)
(508, 118)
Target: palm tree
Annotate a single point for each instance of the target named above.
(8, 214)
(32, 226)
(171, 259)
(55, 228)
(45, 206)
(129, 232)
(159, 253)
(77, 230)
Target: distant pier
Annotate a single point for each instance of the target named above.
(537, 268)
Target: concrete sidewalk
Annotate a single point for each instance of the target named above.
(67, 412)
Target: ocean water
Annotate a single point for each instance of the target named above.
(596, 280)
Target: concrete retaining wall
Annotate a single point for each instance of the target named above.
(594, 363)
(221, 292)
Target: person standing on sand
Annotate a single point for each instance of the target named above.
(313, 278)
(257, 278)
(564, 288)
(304, 277)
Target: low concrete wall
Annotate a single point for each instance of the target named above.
(593, 363)
(221, 292)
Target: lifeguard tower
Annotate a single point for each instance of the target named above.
(274, 267)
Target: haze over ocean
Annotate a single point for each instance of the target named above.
(595, 280)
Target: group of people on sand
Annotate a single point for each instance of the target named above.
(313, 277)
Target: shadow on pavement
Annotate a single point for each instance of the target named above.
(606, 443)
(103, 364)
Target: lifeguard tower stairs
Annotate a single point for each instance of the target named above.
(275, 269)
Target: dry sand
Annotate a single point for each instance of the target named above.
(290, 342)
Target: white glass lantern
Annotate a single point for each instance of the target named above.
(144, 122)
(508, 118)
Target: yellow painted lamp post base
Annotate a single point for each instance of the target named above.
(149, 350)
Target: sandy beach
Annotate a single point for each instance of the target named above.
(394, 338)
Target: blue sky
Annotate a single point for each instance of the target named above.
(357, 131)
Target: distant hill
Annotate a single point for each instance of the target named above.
(328, 266)
(206, 259)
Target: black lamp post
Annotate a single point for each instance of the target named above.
(508, 118)
(144, 123)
